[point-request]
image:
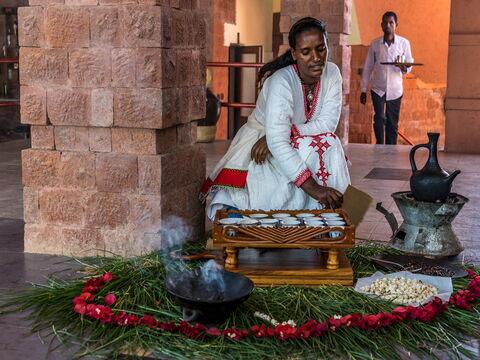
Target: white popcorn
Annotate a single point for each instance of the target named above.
(401, 290)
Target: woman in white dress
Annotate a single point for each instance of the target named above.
(287, 155)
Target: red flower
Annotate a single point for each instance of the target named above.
(80, 308)
(401, 313)
(471, 273)
(310, 328)
(110, 299)
(149, 321)
(83, 298)
(235, 334)
(107, 277)
(285, 331)
(213, 331)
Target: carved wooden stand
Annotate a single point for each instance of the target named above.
(286, 255)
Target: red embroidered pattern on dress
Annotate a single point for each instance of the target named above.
(234, 178)
(302, 177)
(320, 146)
(316, 91)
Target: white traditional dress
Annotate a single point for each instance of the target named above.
(302, 144)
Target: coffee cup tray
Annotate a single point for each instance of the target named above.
(300, 252)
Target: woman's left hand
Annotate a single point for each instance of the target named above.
(260, 150)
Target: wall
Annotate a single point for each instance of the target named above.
(111, 92)
(221, 12)
(422, 106)
(463, 91)
(337, 15)
(254, 23)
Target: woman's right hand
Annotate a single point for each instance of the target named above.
(325, 195)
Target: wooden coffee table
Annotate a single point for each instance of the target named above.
(298, 255)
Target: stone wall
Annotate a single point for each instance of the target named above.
(111, 89)
(422, 107)
(337, 15)
(463, 90)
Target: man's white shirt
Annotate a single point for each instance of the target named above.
(385, 79)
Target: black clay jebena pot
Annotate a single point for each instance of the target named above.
(431, 183)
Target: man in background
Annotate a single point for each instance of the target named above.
(386, 80)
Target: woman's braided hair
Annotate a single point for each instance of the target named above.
(302, 25)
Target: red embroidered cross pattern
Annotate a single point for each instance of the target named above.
(320, 145)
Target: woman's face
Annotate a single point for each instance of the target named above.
(311, 55)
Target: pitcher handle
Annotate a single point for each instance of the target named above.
(412, 155)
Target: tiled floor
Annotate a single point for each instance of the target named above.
(18, 268)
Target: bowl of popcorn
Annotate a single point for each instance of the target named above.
(405, 288)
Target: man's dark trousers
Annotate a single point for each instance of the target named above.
(385, 120)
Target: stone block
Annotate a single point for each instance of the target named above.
(285, 23)
(123, 67)
(42, 137)
(145, 212)
(77, 170)
(179, 28)
(81, 2)
(461, 65)
(139, 108)
(102, 107)
(167, 26)
(116, 172)
(149, 174)
(42, 239)
(183, 66)
(149, 67)
(187, 134)
(67, 27)
(40, 167)
(45, 2)
(166, 140)
(31, 26)
(200, 30)
(459, 127)
(168, 63)
(127, 242)
(134, 141)
(43, 66)
(33, 104)
(198, 100)
(30, 205)
(82, 242)
(90, 67)
(100, 139)
(177, 168)
(63, 207)
(105, 27)
(183, 105)
(69, 106)
(107, 210)
(171, 108)
(141, 25)
(116, 2)
(71, 138)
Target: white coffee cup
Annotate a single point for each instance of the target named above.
(248, 222)
(314, 223)
(268, 222)
(280, 215)
(229, 221)
(335, 223)
(258, 216)
(291, 223)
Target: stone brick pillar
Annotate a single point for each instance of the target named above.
(462, 127)
(337, 15)
(111, 89)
